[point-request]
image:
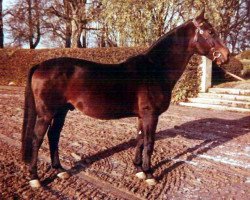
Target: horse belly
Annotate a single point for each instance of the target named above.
(103, 105)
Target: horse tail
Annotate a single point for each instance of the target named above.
(29, 119)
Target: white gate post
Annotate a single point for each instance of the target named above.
(206, 77)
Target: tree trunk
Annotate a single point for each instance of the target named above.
(1, 24)
(75, 34)
(34, 24)
(68, 36)
(102, 42)
(84, 39)
(68, 32)
(30, 25)
(103, 38)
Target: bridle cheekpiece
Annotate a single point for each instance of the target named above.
(199, 30)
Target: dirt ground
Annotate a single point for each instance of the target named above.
(199, 154)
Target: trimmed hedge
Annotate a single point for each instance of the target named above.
(189, 83)
(234, 66)
(15, 63)
(244, 55)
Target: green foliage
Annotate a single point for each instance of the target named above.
(138, 23)
(189, 83)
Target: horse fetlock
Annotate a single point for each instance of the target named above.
(57, 166)
(35, 183)
(150, 179)
(33, 174)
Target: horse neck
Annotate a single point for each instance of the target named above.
(172, 52)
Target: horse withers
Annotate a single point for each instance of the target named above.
(139, 87)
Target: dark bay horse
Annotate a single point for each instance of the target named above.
(139, 87)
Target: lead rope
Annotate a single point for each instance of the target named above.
(233, 75)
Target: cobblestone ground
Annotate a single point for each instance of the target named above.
(199, 154)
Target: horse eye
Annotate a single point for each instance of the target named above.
(210, 32)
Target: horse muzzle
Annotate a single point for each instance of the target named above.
(221, 56)
(218, 58)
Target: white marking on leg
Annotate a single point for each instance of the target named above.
(63, 175)
(140, 175)
(140, 133)
(35, 183)
(151, 181)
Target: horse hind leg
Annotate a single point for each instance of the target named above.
(149, 126)
(53, 136)
(41, 127)
(138, 152)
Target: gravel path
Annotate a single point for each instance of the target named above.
(199, 154)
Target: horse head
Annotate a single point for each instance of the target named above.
(207, 42)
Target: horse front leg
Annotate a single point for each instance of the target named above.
(149, 122)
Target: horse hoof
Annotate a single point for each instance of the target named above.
(140, 175)
(35, 183)
(151, 181)
(63, 175)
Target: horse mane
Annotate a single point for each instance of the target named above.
(166, 36)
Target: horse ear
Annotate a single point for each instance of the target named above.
(201, 17)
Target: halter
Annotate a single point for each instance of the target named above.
(216, 54)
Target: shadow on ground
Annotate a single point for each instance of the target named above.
(212, 131)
